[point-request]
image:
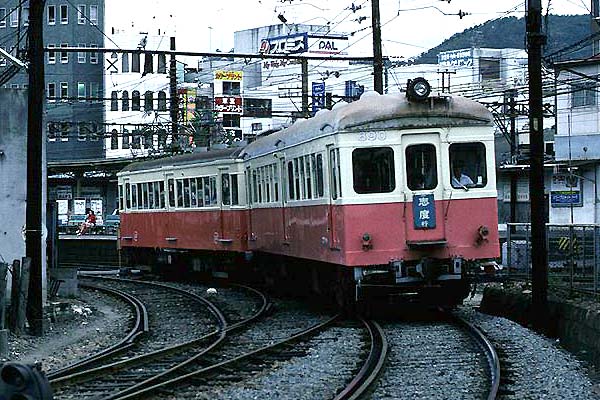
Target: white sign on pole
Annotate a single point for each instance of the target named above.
(96, 206)
(63, 207)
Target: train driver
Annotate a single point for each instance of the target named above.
(459, 178)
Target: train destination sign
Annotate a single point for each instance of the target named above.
(424, 211)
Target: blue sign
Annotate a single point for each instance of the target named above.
(424, 211)
(318, 96)
(565, 198)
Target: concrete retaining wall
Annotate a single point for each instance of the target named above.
(575, 323)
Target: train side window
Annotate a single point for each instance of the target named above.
(334, 165)
(297, 179)
(121, 208)
(373, 170)
(128, 195)
(468, 165)
(179, 193)
(319, 176)
(275, 183)
(213, 190)
(151, 195)
(161, 194)
(421, 167)
(290, 180)
(234, 190)
(186, 193)
(309, 180)
(171, 184)
(225, 190)
(193, 193)
(134, 192)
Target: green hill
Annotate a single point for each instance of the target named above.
(562, 31)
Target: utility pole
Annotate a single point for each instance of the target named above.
(594, 25)
(33, 219)
(377, 54)
(539, 251)
(304, 65)
(173, 94)
(513, 154)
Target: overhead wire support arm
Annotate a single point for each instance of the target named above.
(13, 59)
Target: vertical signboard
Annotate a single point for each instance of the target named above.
(318, 96)
(424, 211)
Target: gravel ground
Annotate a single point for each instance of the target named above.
(77, 328)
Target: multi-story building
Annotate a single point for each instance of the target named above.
(74, 81)
(573, 190)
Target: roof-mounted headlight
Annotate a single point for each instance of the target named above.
(418, 89)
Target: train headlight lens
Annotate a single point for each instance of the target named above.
(367, 241)
(418, 89)
(484, 231)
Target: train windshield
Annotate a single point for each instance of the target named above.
(373, 170)
(468, 165)
(421, 167)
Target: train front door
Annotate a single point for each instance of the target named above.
(423, 214)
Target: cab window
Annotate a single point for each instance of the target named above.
(421, 167)
(467, 165)
(373, 170)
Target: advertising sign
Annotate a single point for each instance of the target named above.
(79, 206)
(566, 191)
(291, 44)
(96, 206)
(318, 96)
(228, 104)
(221, 75)
(62, 206)
(424, 211)
(456, 58)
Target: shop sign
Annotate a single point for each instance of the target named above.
(228, 104)
(221, 75)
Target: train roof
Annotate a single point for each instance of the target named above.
(375, 111)
(184, 159)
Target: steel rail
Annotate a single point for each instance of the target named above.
(140, 327)
(490, 352)
(85, 376)
(372, 366)
(144, 392)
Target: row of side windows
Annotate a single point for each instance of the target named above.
(82, 56)
(136, 101)
(60, 14)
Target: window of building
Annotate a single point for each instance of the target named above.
(162, 64)
(468, 165)
(489, 68)
(14, 17)
(64, 91)
(65, 127)
(231, 88)
(135, 62)
(135, 100)
(51, 15)
(95, 91)
(162, 101)
(94, 55)
(64, 56)
(51, 54)
(82, 131)
(2, 17)
(114, 101)
(125, 100)
(583, 95)
(52, 130)
(148, 101)
(64, 14)
(81, 92)
(136, 139)
(93, 14)
(162, 138)
(373, 170)
(125, 138)
(114, 140)
(258, 108)
(231, 120)
(81, 14)
(81, 55)
(148, 138)
(148, 63)
(125, 62)
(51, 92)
(25, 16)
(421, 167)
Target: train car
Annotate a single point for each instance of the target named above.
(388, 196)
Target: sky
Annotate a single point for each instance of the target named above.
(409, 27)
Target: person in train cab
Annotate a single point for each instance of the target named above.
(459, 178)
(90, 220)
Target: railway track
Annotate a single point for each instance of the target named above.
(439, 359)
(143, 364)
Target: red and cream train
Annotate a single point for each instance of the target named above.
(359, 201)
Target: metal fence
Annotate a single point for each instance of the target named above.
(573, 254)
